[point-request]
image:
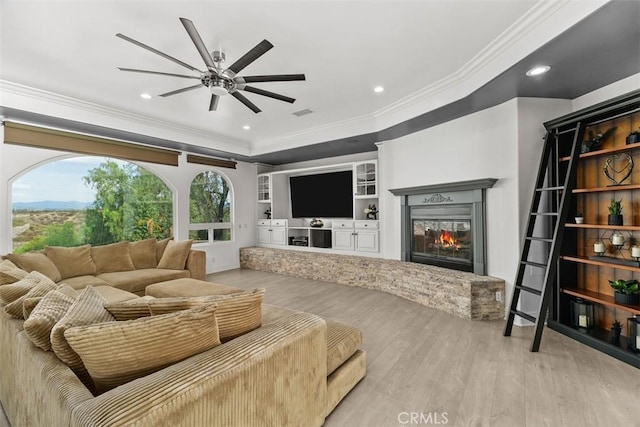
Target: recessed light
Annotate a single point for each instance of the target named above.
(246, 127)
(145, 96)
(378, 89)
(536, 71)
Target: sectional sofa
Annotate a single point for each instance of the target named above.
(291, 371)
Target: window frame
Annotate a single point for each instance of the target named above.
(212, 226)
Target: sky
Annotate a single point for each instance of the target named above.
(60, 180)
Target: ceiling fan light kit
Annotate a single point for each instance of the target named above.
(218, 80)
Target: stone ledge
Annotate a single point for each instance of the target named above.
(465, 295)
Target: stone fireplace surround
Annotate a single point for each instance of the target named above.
(462, 294)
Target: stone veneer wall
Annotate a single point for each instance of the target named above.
(466, 295)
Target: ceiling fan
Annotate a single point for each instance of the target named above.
(220, 81)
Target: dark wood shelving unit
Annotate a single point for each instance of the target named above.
(580, 274)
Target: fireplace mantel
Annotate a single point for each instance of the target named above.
(456, 205)
(446, 187)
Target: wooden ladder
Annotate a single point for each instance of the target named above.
(549, 210)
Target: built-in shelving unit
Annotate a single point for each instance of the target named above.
(583, 277)
(358, 234)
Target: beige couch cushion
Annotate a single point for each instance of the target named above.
(188, 287)
(86, 310)
(16, 308)
(143, 253)
(10, 293)
(111, 294)
(137, 280)
(81, 282)
(10, 273)
(342, 342)
(118, 352)
(36, 261)
(237, 313)
(175, 255)
(30, 303)
(130, 309)
(73, 261)
(51, 308)
(161, 245)
(113, 257)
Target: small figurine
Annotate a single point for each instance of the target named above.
(595, 140)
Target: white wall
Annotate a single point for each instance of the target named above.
(502, 142)
(15, 160)
(605, 93)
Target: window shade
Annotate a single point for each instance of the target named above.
(210, 161)
(33, 136)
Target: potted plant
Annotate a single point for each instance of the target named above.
(616, 329)
(615, 212)
(626, 291)
(579, 218)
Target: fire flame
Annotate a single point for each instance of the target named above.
(446, 239)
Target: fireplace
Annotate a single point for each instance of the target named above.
(444, 225)
(442, 236)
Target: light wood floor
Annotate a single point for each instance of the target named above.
(422, 361)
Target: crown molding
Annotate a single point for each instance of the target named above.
(187, 133)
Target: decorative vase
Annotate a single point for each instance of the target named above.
(579, 219)
(316, 223)
(633, 138)
(614, 219)
(615, 335)
(627, 299)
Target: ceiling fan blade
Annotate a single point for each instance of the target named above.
(134, 70)
(213, 104)
(197, 40)
(186, 89)
(269, 94)
(271, 78)
(255, 53)
(157, 52)
(240, 97)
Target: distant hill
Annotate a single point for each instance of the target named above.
(51, 205)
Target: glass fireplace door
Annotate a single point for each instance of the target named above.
(442, 237)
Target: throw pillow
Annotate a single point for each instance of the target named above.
(10, 293)
(175, 255)
(36, 261)
(161, 245)
(111, 258)
(49, 311)
(86, 310)
(130, 309)
(16, 308)
(143, 253)
(237, 313)
(30, 303)
(73, 261)
(118, 352)
(10, 273)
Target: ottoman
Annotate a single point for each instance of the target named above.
(187, 287)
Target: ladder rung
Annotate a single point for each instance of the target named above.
(545, 213)
(565, 131)
(539, 239)
(529, 289)
(550, 188)
(534, 264)
(524, 315)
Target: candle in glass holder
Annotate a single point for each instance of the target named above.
(599, 248)
(635, 251)
(617, 239)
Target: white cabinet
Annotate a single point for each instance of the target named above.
(272, 231)
(361, 236)
(264, 188)
(365, 176)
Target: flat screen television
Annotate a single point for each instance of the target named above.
(326, 195)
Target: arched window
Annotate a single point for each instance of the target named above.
(210, 216)
(95, 200)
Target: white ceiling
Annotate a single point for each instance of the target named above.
(345, 48)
